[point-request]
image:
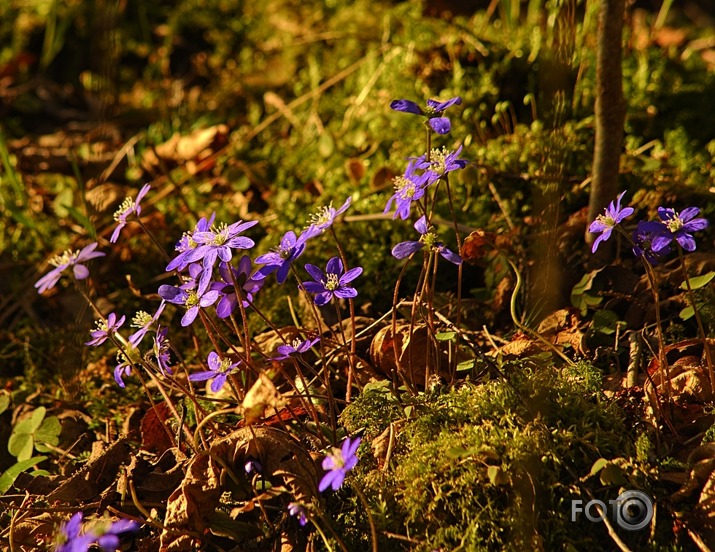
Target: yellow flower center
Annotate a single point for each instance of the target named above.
(141, 319)
(126, 205)
(332, 282)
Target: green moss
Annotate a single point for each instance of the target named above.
(494, 465)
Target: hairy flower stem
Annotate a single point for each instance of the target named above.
(154, 240)
(397, 370)
(351, 305)
(696, 312)
(326, 375)
(663, 367)
(458, 323)
(370, 519)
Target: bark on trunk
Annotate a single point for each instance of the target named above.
(610, 109)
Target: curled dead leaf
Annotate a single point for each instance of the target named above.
(415, 354)
(262, 395)
(285, 463)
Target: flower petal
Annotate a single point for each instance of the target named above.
(350, 275)
(441, 106)
(440, 125)
(405, 249)
(406, 106)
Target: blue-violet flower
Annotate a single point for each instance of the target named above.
(297, 347)
(427, 239)
(338, 463)
(604, 224)
(298, 510)
(64, 261)
(104, 329)
(144, 321)
(219, 369)
(679, 228)
(323, 219)
(433, 112)
(279, 261)
(128, 207)
(643, 236)
(331, 283)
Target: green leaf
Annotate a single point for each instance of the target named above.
(466, 365)
(20, 445)
(4, 401)
(580, 298)
(598, 465)
(48, 433)
(9, 476)
(606, 322)
(22, 439)
(686, 313)
(699, 281)
(445, 336)
(613, 474)
(497, 476)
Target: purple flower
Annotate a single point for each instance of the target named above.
(433, 112)
(192, 299)
(643, 236)
(604, 224)
(297, 347)
(333, 283)
(253, 466)
(408, 188)
(106, 536)
(63, 262)
(441, 162)
(186, 246)
(104, 329)
(71, 540)
(109, 540)
(279, 261)
(219, 369)
(323, 219)
(128, 207)
(144, 321)
(679, 226)
(161, 350)
(216, 244)
(249, 285)
(298, 510)
(124, 364)
(427, 239)
(338, 463)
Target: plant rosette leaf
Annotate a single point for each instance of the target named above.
(4, 401)
(34, 432)
(8, 477)
(698, 281)
(48, 434)
(22, 438)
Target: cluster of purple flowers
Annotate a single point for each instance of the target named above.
(421, 173)
(207, 250)
(652, 240)
(107, 537)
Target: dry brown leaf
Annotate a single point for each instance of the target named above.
(97, 475)
(415, 350)
(284, 461)
(262, 395)
(189, 150)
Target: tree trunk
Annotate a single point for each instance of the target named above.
(610, 109)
